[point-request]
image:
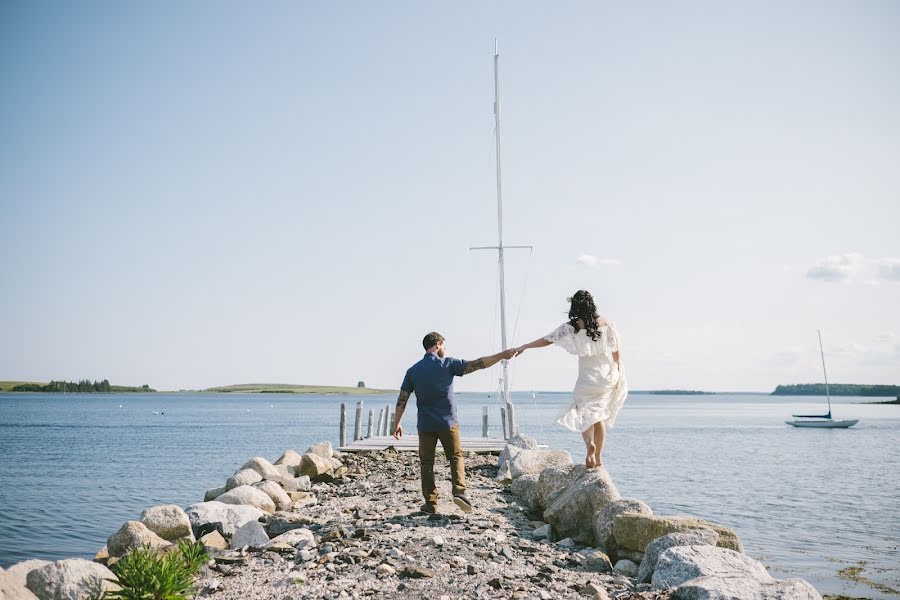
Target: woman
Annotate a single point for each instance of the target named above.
(601, 387)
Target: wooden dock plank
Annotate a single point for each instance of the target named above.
(410, 443)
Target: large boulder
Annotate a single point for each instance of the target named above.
(298, 538)
(20, 571)
(604, 518)
(249, 496)
(572, 512)
(536, 460)
(323, 449)
(513, 445)
(525, 489)
(261, 466)
(274, 491)
(289, 459)
(713, 573)
(250, 534)
(698, 537)
(131, 535)
(214, 493)
(282, 522)
(243, 477)
(71, 579)
(168, 521)
(554, 480)
(313, 465)
(633, 531)
(13, 589)
(225, 517)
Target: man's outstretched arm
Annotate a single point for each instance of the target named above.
(488, 361)
(402, 399)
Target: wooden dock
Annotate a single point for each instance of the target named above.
(410, 443)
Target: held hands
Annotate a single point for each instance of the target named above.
(509, 354)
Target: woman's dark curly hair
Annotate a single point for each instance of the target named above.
(583, 308)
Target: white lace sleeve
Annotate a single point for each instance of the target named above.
(564, 337)
(613, 341)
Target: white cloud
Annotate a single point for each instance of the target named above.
(889, 268)
(588, 261)
(840, 268)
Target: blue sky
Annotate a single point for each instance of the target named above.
(211, 193)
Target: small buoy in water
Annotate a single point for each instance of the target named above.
(155, 413)
(120, 406)
(162, 413)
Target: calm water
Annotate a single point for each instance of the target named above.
(805, 502)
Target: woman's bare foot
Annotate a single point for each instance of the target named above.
(591, 460)
(598, 460)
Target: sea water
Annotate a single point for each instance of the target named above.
(805, 502)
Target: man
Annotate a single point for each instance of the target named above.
(432, 381)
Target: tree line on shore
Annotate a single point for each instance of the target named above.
(84, 386)
(836, 389)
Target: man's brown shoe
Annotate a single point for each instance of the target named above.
(429, 508)
(463, 503)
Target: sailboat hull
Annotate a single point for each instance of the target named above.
(824, 423)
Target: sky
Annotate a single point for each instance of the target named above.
(208, 193)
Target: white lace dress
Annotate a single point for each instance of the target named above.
(601, 387)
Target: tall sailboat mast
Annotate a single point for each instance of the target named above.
(500, 247)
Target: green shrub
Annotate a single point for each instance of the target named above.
(147, 574)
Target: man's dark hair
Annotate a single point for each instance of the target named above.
(432, 339)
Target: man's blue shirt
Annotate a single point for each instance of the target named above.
(432, 381)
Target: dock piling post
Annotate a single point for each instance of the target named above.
(511, 413)
(503, 420)
(380, 421)
(371, 423)
(387, 420)
(342, 437)
(484, 421)
(357, 424)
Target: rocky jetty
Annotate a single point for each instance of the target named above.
(323, 525)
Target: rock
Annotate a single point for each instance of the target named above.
(303, 483)
(525, 488)
(131, 535)
(19, 571)
(385, 570)
(11, 588)
(323, 449)
(298, 538)
(458, 561)
(735, 588)
(554, 480)
(603, 520)
(514, 444)
(250, 534)
(283, 522)
(248, 496)
(289, 459)
(697, 537)
(566, 543)
(214, 493)
(571, 513)
(542, 532)
(536, 460)
(287, 472)
(261, 466)
(242, 477)
(597, 561)
(682, 563)
(594, 591)
(214, 540)
(313, 465)
(168, 521)
(503, 475)
(274, 491)
(626, 567)
(228, 516)
(416, 572)
(634, 531)
(71, 579)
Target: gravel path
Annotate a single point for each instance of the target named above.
(372, 542)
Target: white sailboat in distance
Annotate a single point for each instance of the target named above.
(822, 421)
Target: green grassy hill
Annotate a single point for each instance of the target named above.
(7, 386)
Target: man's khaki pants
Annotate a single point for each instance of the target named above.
(453, 450)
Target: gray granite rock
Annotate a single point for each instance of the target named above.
(229, 516)
(525, 489)
(71, 579)
(603, 520)
(679, 564)
(168, 521)
(289, 459)
(323, 449)
(20, 570)
(242, 477)
(554, 480)
(313, 465)
(698, 537)
(571, 513)
(275, 492)
(513, 445)
(214, 493)
(11, 588)
(625, 567)
(298, 538)
(250, 534)
(735, 588)
(131, 535)
(261, 466)
(248, 496)
(535, 460)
